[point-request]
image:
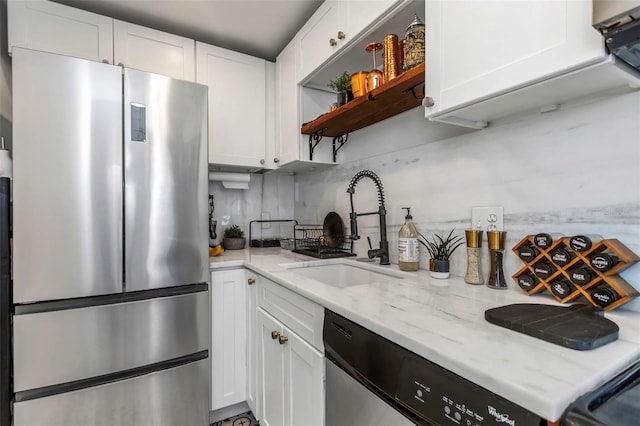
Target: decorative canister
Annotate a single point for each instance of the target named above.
(391, 67)
(359, 83)
(414, 44)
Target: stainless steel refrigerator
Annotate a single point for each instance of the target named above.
(110, 261)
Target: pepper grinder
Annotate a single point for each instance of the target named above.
(474, 248)
(496, 241)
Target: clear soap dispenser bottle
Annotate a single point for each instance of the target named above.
(408, 248)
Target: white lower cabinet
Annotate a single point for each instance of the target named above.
(228, 337)
(292, 376)
(253, 374)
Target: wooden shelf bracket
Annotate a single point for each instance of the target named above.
(341, 140)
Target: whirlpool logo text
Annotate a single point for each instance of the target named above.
(502, 418)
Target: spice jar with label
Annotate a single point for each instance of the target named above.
(603, 296)
(527, 253)
(583, 242)
(562, 256)
(604, 261)
(544, 240)
(527, 281)
(561, 288)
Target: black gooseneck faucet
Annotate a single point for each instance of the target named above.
(383, 251)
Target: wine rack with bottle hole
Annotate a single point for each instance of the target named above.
(541, 272)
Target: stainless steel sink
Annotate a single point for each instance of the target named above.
(343, 275)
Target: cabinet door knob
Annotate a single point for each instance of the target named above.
(251, 281)
(283, 339)
(332, 42)
(428, 102)
(341, 35)
(275, 334)
(276, 160)
(262, 161)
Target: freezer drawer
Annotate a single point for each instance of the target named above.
(166, 181)
(67, 345)
(177, 396)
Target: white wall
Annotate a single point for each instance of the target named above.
(575, 170)
(271, 194)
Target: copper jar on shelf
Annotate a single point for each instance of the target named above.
(414, 45)
(391, 68)
(359, 83)
(401, 55)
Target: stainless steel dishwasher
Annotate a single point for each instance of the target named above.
(373, 381)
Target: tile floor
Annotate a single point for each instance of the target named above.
(244, 419)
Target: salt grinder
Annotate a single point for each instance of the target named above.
(496, 241)
(474, 248)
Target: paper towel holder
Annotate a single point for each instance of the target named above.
(231, 180)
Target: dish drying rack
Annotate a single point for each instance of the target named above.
(310, 240)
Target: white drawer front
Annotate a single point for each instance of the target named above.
(298, 313)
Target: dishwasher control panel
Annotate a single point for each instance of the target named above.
(446, 398)
(421, 390)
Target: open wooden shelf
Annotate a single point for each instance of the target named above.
(388, 100)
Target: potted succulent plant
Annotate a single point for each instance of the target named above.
(440, 250)
(233, 238)
(342, 85)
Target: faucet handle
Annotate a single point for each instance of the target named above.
(369, 240)
(354, 225)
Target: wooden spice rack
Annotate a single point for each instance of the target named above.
(623, 289)
(396, 96)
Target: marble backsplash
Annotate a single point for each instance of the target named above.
(268, 194)
(575, 170)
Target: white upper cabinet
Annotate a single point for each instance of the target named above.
(153, 51)
(358, 15)
(55, 28)
(334, 25)
(322, 36)
(479, 50)
(287, 106)
(237, 105)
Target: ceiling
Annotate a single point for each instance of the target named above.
(259, 28)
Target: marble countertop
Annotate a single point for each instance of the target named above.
(443, 321)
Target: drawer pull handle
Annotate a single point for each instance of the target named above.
(251, 281)
(275, 334)
(283, 339)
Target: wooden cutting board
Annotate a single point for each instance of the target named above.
(580, 327)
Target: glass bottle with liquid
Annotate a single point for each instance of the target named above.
(408, 247)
